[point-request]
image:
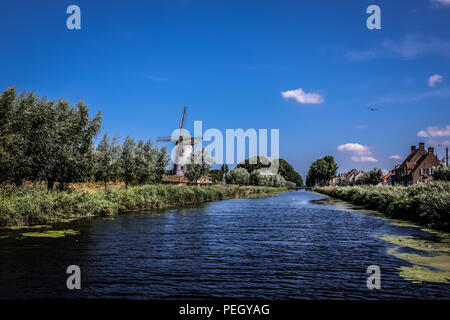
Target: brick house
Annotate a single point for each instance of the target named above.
(347, 178)
(418, 167)
(386, 180)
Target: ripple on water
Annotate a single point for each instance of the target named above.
(279, 247)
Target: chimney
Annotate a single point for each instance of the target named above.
(421, 145)
(430, 150)
(413, 148)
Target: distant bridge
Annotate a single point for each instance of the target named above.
(300, 188)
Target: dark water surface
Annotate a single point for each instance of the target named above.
(277, 247)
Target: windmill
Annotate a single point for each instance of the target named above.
(184, 147)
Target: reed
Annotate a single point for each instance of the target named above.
(29, 206)
(425, 204)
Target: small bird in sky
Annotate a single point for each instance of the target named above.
(373, 109)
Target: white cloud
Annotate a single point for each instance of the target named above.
(303, 97)
(395, 157)
(354, 147)
(360, 153)
(435, 132)
(441, 2)
(435, 78)
(361, 126)
(364, 159)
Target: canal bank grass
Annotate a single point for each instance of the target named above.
(34, 206)
(425, 204)
(432, 266)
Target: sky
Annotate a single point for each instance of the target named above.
(311, 69)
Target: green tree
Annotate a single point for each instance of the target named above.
(223, 170)
(216, 175)
(266, 178)
(107, 166)
(128, 161)
(199, 165)
(288, 173)
(12, 144)
(254, 163)
(321, 172)
(238, 176)
(372, 177)
(162, 160)
(73, 152)
(442, 172)
(142, 164)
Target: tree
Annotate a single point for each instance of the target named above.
(44, 140)
(266, 178)
(143, 163)
(199, 165)
(127, 161)
(442, 172)
(238, 176)
(72, 144)
(216, 175)
(372, 177)
(288, 173)
(162, 160)
(107, 166)
(12, 144)
(52, 141)
(224, 168)
(254, 163)
(321, 171)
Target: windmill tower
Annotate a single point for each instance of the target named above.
(184, 146)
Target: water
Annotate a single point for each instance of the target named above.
(278, 247)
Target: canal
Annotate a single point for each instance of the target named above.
(287, 246)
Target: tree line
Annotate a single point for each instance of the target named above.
(253, 173)
(53, 142)
(323, 170)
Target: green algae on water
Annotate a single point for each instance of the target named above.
(434, 267)
(67, 220)
(25, 227)
(51, 233)
(420, 274)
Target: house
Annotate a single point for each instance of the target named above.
(347, 178)
(181, 180)
(354, 175)
(387, 179)
(418, 167)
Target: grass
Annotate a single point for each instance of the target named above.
(35, 206)
(425, 204)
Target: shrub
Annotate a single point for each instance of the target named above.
(426, 204)
(35, 206)
(238, 176)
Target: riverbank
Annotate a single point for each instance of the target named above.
(30, 206)
(424, 204)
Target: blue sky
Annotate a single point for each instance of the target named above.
(140, 62)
